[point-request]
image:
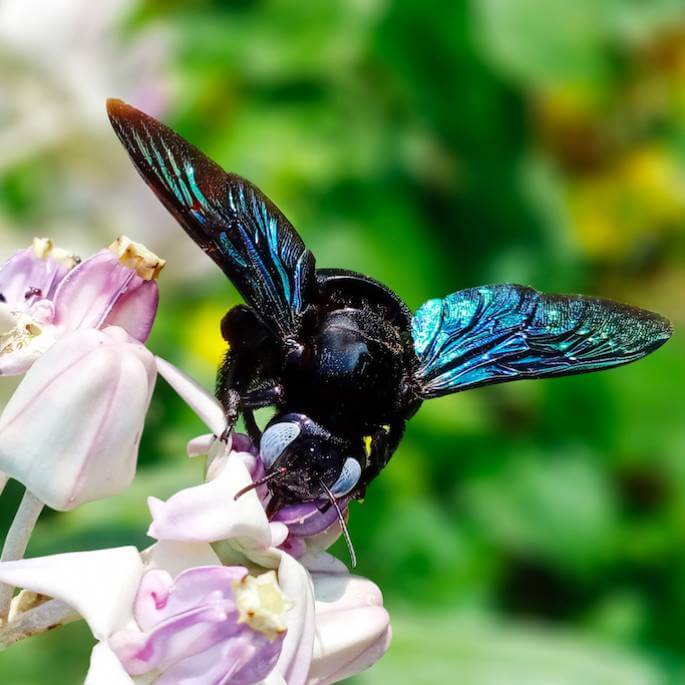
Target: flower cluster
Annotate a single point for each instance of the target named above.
(70, 432)
(224, 596)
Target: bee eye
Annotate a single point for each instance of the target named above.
(349, 477)
(275, 439)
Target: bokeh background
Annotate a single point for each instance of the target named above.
(526, 534)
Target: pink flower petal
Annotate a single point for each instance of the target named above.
(135, 310)
(88, 293)
(26, 277)
(160, 596)
(192, 632)
(242, 660)
(306, 519)
(176, 639)
(102, 291)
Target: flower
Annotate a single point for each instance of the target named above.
(196, 626)
(352, 627)
(43, 297)
(175, 612)
(171, 612)
(71, 430)
(28, 281)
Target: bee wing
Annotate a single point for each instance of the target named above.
(500, 333)
(227, 216)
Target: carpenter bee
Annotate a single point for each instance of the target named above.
(338, 354)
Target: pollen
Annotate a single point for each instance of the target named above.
(137, 257)
(17, 330)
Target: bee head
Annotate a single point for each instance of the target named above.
(304, 462)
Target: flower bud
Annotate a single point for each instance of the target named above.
(352, 627)
(114, 287)
(70, 432)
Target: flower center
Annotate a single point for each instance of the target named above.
(17, 329)
(262, 604)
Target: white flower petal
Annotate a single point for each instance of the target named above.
(99, 585)
(199, 446)
(105, 668)
(274, 678)
(208, 512)
(70, 432)
(176, 557)
(204, 404)
(352, 627)
(298, 645)
(323, 563)
(18, 351)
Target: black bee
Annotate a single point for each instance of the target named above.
(338, 354)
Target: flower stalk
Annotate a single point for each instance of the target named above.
(39, 619)
(16, 542)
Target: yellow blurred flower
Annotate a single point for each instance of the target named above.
(636, 200)
(203, 337)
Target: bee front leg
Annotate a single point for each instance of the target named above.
(251, 427)
(266, 396)
(231, 405)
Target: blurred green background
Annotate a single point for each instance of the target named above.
(525, 534)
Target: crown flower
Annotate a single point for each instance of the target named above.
(71, 430)
(176, 612)
(46, 292)
(224, 595)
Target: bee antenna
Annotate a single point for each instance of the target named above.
(343, 525)
(269, 476)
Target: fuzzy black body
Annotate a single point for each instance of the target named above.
(338, 354)
(350, 367)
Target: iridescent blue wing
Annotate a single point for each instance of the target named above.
(499, 333)
(228, 217)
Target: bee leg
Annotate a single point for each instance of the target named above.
(265, 396)
(232, 410)
(262, 397)
(251, 426)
